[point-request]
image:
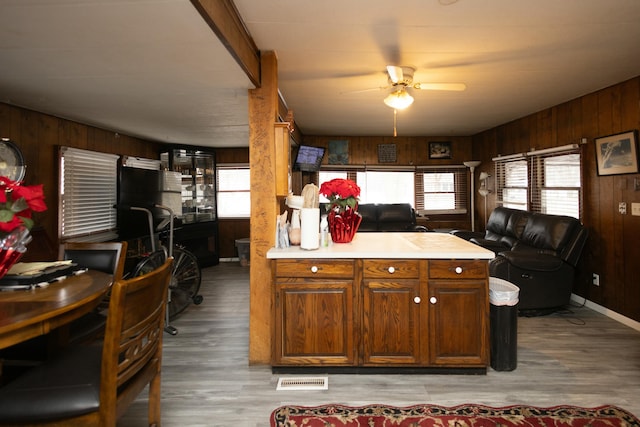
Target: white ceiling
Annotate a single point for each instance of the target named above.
(154, 69)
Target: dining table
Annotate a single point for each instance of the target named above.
(28, 313)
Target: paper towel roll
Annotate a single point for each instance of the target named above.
(309, 228)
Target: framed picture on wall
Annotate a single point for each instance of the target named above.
(440, 149)
(386, 153)
(338, 152)
(617, 154)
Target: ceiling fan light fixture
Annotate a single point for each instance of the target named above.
(399, 99)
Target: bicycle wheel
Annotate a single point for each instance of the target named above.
(185, 281)
(149, 263)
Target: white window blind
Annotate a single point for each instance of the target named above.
(442, 189)
(555, 183)
(141, 163)
(547, 181)
(512, 182)
(88, 191)
(234, 191)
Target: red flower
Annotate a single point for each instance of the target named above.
(14, 223)
(33, 194)
(18, 202)
(342, 193)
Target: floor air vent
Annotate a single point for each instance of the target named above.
(303, 383)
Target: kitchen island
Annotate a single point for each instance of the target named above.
(385, 301)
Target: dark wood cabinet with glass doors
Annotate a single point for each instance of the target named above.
(197, 227)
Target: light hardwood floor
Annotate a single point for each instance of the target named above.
(579, 357)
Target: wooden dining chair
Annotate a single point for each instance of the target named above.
(93, 385)
(108, 257)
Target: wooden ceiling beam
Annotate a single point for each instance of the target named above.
(225, 21)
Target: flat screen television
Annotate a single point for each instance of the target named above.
(308, 158)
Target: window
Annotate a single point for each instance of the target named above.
(545, 181)
(377, 186)
(442, 190)
(512, 182)
(434, 190)
(386, 187)
(234, 191)
(555, 184)
(88, 184)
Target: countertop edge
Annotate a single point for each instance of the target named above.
(390, 246)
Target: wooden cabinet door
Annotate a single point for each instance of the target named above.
(391, 325)
(283, 159)
(314, 323)
(391, 312)
(458, 313)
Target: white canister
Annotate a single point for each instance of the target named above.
(309, 228)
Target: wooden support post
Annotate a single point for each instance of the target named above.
(263, 113)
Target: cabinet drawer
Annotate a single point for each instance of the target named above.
(457, 269)
(314, 268)
(388, 268)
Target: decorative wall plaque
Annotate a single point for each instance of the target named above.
(386, 153)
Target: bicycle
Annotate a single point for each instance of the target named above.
(185, 275)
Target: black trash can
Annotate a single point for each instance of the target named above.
(243, 246)
(503, 297)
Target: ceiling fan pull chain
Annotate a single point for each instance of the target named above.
(395, 122)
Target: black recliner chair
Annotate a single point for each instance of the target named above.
(537, 252)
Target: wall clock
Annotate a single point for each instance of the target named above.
(11, 161)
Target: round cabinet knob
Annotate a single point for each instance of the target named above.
(433, 300)
(458, 270)
(391, 270)
(314, 269)
(417, 300)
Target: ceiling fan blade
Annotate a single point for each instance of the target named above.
(395, 74)
(441, 86)
(371, 89)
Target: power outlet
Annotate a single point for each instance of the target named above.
(622, 208)
(596, 279)
(635, 209)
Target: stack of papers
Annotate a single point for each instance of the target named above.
(35, 268)
(29, 275)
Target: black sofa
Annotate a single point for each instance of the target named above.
(388, 217)
(536, 252)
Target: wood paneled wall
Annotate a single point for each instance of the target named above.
(612, 250)
(232, 155)
(39, 137)
(410, 151)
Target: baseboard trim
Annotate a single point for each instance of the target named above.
(607, 312)
(373, 370)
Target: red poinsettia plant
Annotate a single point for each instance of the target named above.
(342, 193)
(17, 204)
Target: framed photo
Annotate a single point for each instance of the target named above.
(617, 154)
(440, 149)
(338, 152)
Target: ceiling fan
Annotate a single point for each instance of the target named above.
(401, 79)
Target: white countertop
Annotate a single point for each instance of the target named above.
(391, 245)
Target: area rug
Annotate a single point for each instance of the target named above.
(468, 415)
